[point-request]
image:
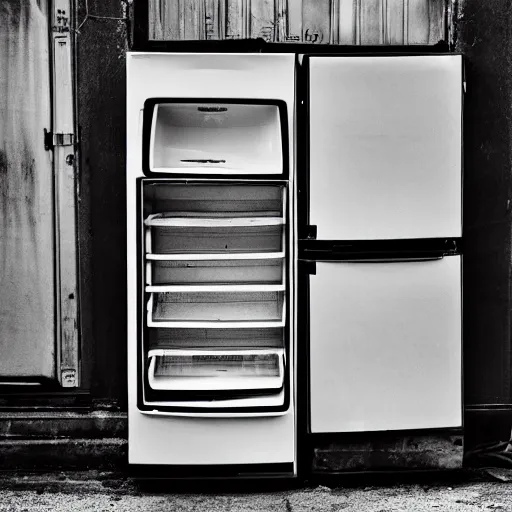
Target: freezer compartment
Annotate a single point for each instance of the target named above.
(216, 272)
(216, 137)
(217, 309)
(212, 370)
(213, 339)
(385, 345)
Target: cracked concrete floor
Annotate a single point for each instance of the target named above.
(42, 494)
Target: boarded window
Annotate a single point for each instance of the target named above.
(352, 22)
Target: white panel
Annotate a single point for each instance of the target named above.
(163, 439)
(181, 440)
(195, 75)
(385, 345)
(385, 147)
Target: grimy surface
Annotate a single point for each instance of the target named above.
(68, 492)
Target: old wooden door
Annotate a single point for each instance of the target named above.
(31, 199)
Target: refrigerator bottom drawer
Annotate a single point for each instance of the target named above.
(204, 440)
(216, 370)
(385, 346)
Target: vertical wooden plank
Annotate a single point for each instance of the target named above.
(193, 24)
(170, 16)
(347, 22)
(395, 22)
(281, 21)
(65, 198)
(155, 30)
(215, 19)
(316, 19)
(437, 20)
(262, 19)
(236, 19)
(371, 22)
(418, 21)
(27, 277)
(334, 16)
(294, 21)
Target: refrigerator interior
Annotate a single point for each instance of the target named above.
(210, 263)
(236, 137)
(215, 334)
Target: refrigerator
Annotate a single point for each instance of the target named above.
(380, 227)
(211, 265)
(294, 229)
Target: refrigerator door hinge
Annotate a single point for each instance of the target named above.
(52, 140)
(308, 233)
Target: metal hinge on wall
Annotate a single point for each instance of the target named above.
(58, 139)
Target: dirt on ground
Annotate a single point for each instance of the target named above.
(103, 492)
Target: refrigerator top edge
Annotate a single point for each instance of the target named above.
(135, 54)
(383, 55)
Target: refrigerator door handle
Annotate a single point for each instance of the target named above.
(368, 257)
(376, 259)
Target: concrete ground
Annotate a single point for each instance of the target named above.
(58, 492)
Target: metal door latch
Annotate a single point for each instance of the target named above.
(58, 139)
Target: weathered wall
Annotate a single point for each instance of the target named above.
(101, 45)
(484, 37)
(299, 21)
(27, 316)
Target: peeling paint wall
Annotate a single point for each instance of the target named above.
(27, 343)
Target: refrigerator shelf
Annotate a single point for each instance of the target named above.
(215, 240)
(264, 401)
(216, 256)
(216, 309)
(209, 288)
(212, 370)
(216, 339)
(216, 273)
(169, 220)
(216, 324)
(213, 199)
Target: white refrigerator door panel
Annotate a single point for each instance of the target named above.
(385, 345)
(181, 440)
(221, 75)
(385, 147)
